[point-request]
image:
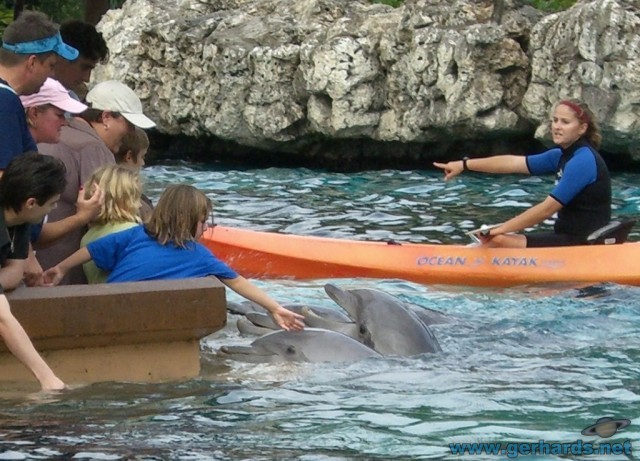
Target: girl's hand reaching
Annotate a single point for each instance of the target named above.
(288, 320)
(52, 276)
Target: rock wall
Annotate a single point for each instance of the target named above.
(425, 79)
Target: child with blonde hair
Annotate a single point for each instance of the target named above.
(122, 189)
(131, 154)
(167, 248)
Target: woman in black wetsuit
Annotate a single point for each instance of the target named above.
(581, 196)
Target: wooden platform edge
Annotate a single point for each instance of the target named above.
(139, 331)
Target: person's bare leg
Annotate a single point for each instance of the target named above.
(507, 241)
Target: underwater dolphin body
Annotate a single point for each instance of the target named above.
(247, 327)
(245, 307)
(377, 320)
(382, 322)
(309, 345)
(255, 313)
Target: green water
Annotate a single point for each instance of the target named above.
(519, 365)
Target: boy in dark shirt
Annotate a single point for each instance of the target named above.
(29, 189)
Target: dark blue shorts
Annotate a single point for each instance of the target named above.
(551, 239)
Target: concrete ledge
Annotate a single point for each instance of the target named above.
(142, 331)
(151, 362)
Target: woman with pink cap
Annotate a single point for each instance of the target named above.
(45, 111)
(581, 196)
(45, 114)
(87, 142)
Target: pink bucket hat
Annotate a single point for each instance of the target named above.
(52, 92)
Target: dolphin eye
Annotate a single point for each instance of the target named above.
(291, 350)
(363, 329)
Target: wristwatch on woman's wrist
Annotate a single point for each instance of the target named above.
(464, 164)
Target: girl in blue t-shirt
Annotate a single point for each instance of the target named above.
(581, 196)
(167, 248)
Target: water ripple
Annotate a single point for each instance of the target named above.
(525, 364)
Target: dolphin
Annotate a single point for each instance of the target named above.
(246, 327)
(247, 354)
(384, 323)
(309, 345)
(315, 321)
(429, 316)
(262, 320)
(266, 321)
(244, 307)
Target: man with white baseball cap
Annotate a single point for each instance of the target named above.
(88, 142)
(114, 96)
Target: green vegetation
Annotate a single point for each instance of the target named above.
(552, 5)
(57, 10)
(6, 16)
(393, 3)
(544, 5)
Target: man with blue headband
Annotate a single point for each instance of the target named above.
(30, 48)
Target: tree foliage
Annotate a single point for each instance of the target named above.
(57, 10)
(393, 3)
(552, 5)
(545, 5)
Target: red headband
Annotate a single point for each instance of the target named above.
(579, 111)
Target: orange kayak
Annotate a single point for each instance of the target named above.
(271, 255)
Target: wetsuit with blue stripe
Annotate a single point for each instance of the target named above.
(583, 187)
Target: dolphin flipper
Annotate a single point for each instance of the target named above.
(262, 320)
(242, 308)
(324, 312)
(313, 320)
(247, 327)
(433, 343)
(430, 316)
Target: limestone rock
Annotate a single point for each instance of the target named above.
(279, 75)
(592, 52)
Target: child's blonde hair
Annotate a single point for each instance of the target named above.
(135, 141)
(176, 217)
(122, 192)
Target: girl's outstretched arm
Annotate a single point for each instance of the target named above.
(53, 275)
(285, 318)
